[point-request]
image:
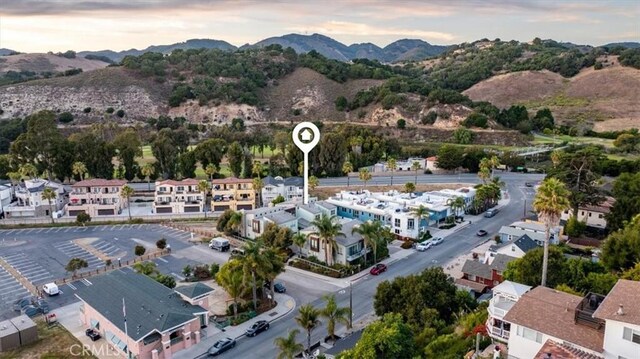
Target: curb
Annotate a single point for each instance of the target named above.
(289, 310)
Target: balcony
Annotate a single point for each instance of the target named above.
(176, 340)
(499, 307)
(499, 330)
(584, 311)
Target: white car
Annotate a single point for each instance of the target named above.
(436, 240)
(423, 246)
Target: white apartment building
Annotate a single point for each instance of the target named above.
(349, 246)
(535, 231)
(97, 197)
(29, 201)
(178, 197)
(290, 188)
(6, 195)
(255, 221)
(592, 216)
(621, 312)
(505, 296)
(401, 165)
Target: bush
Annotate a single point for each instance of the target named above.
(65, 117)
(447, 226)
(201, 272)
(598, 66)
(574, 227)
(297, 112)
(87, 110)
(83, 218)
(406, 245)
(429, 118)
(107, 262)
(161, 243)
(120, 113)
(139, 250)
(214, 268)
(402, 123)
(110, 110)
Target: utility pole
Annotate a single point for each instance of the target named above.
(350, 304)
(524, 209)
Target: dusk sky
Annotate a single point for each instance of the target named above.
(58, 25)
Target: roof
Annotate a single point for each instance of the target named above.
(310, 208)
(511, 288)
(280, 217)
(477, 268)
(23, 322)
(625, 293)
(536, 236)
(194, 290)
(535, 226)
(150, 306)
(475, 286)
(184, 182)
(500, 261)
(7, 328)
(554, 350)
(349, 238)
(99, 182)
(602, 207)
(294, 181)
(231, 180)
(273, 181)
(345, 343)
(552, 312)
(325, 205)
(525, 243)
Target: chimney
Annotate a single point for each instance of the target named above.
(620, 310)
(547, 356)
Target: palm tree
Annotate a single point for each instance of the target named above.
(313, 182)
(146, 268)
(210, 170)
(364, 175)
(235, 221)
(257, 186)
(14, 177)
(550, 201)
(494, 162)
(415, 166)
(327, 229)
(420, 213)
(79, 169)
(276, 266)
(203, 187)
(254, 265)
(372, 232)
(456, 204)
(257, 169)
(409, 187)
(147, 171)
(28, 170)
(288, 346)
(392, 165)
(334, 314)
(231, 278)
(49, 194)
(299, 240)
(127, 192)
(347, 168)
(308, 319)
(484, 170)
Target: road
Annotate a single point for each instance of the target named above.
(364, 290)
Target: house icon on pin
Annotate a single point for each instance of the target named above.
(306, 135)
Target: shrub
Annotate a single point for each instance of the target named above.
(447, 226)
(402, 123)
(139, 250)
(107, 262)
(574, 227)
(83, 218)
(406, 245)
(65, 117)
(297, 112)
(161, 243)
(135, 221)
(214, 268)
(110, 110)
(429, 118)
(201, 272)
(120, 113)
(186, 271)
(87, 110)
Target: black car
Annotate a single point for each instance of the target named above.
(257, 328)
(528, 184)
(221, 346)
(279, 288)
(481, 233)
(92, 334)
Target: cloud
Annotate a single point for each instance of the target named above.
(359, 29)
(565, 18)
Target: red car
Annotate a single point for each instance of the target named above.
(378, 268)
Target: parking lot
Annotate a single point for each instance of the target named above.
(40, 255)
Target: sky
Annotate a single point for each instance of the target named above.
(59, 25)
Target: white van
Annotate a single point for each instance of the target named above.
(51, 289)
(220, 244)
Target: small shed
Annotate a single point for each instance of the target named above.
(26, 328)
(9, 336)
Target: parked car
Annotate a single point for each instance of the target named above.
(257, 328)
(30, 310)
(528, 184)
(221, 346)
(43, 305)
(51, 289)
(236, 253)
(278, 287)
(23, 302)
(437, 240)
(220, 244)
(92, 334)
(423, 246)
(378, 268)
(490, 213)
(481, 233)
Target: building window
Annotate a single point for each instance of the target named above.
(396, 222)
(589, 214)
(600, 215)
(356, 213)
(410, 223)
(530, 334)
(397, 231)
(472, 277)
(314, 244)
(255, 226)
(631, 335)
(376, 217)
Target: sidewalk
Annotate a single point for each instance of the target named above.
(285, 304)
(69, 317)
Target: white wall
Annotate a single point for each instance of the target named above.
(614, 344)
(523, 348)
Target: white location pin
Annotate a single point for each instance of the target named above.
(306, 136)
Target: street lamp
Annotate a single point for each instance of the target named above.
(350, 304)
(524, 209)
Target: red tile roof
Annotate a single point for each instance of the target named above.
(184, 182)
(231, 180)
(554, 350)
(625, 293)
(94, 182)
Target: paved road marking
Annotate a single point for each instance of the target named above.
(42, 229)
(86, 282)
(162, 259)
(72, 286)
(177, 276)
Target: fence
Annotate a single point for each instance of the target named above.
(320, 267)
(25, 221)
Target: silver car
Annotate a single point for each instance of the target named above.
(423, 246)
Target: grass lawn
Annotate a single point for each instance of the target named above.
(53, 342)
(541, 140)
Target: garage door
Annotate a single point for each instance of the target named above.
(164, 210)
(191, 209)
(220, 208)
(245, 206)
(106, 212)
(75, 213)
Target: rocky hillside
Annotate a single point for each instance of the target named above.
(39, 63)
(117, 56)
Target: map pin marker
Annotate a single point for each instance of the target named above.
(306, 136)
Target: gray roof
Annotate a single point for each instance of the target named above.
(477, 268)
(294, 181)
(310, 208)
(348, 238)
(500, 261)
(344, 343)
(194, 290)
(325, 205)
(517, 232)
(525, 243)
(280, 217)
(270, 180)
(150, 306)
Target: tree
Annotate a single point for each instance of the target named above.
(288, 346)
(373, 233)
(161, 243)
(128, 147)
(415, 167)
(457, 205)
(28, 170)
(94, 151)
(528, 269)
(313, 182)
(627, 142)
(235, 155)
(308, 319)
(626, 191)
(257, 169)
(278, 199)
(299, 240)
(327, 229)
(332, 151)
(550, 201)
(75, 264)
(621, 249)
(203, 187)
(449, 157)
(334, 314)
(147, 171)
(463, 136)
(210, 152)
(409, 187)
(65, 117)
(49, 194)
(389, 337)
(364, 175)
(347, 168)
(274, 268)
(147, 268)
(79, 169)
(392, 166)
(166, 280)
(83, 218)
(126, 192)
(210, 170)
(401, 124)
(187, 270)
(139, 250)
(254, 266)
(421, 212)
(231, 278)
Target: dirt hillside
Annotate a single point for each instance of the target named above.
(47, 63)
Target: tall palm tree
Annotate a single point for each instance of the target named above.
(231, 278)
(364, 175)
(484, 170)
(334, 314)
(299, 240)
(147, 170)
(235, 221)
(257, 186)
(421, 212)
(288, 346)
(308, 319)
(371, 232)
(276, 266)
(313, 182)
(415, 166)
(392, 165)
(254, 266)
(203, 187)
(15, 177)
(79, 169)
(210, 170)
(550, 201)
(327, 229)
(126, 192)
(456, 204)
(49, 194)
(494, 162)
(257, 169)
(347, 168)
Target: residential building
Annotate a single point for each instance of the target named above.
(401, 165)
(349, 246)
(544, 314)
(178, 197)
(346, 343)
(479, 276)
(6, 195)
(159, 321)
(505, 296)
(97, 197)
(290, 188)
(535, 231)
(517, 248)
(593, 216)
(232, 193)
(432, 164)
(255, 221)
(29, 201)
(620, 311)
(308, 213)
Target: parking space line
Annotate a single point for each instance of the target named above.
(41, 229)
(11, 231)
(67, 230)
(72, 286)
(40, 277)
(177, 276)
(59, 229)
(162, 259)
